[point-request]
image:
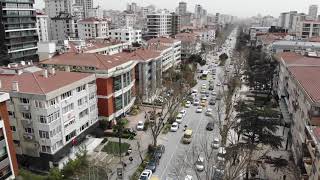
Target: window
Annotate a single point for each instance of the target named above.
(66, 95)
(69, 123)
(53, 101)
(42, 119)
(67, 108)
(39, 104)
(44, 134)
(45, 149)
(117, 83)
(82, 101)
(84, 126)
(81, 88)
(24, 100)
(92, 95)
(11, 113)
(92, 107)
(118, 103)
(28, 130)
(26, 115)
(83, 113)
(13, 128)
(50, 118)
(71, 135)
(55, 131)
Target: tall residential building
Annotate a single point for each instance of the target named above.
(313, 11)
(197, 11)
(158, 24)
(175, 24)
(133, 7)
(182, 8)
(96, 12)
(286, 19)
(8, 160)
(62, 22)
(128, 34)
(86, 4)
(307, 29)
(92, 28)
(49, 119)
(42, 27)
(18, 32)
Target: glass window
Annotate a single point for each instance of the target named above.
(71, 135)
(81, 88)
(83, 113)
(67, 108)
(24, 100)
(117, 83)
(26, 115)
(66, 95)
(118, 103)
(13, 128)
(44, 134)
(29, 130)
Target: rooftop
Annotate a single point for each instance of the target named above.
(93, 44)
(36, 83)
(166, 40)
(297, 43)
(92, 19)
(187, 37)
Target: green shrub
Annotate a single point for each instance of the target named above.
(113, 148)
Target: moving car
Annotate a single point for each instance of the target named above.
(203, 97)
(209, 112)
(216, 143)
(203, 103)
(146, 175)
(203, 86)
(179, 118)
(188, 104)
(196, 102)
(203, 91)
(210, 126)
(183, 112)
(218, 84)
(140, 126)
(187, 136)
(174, 127)
(221, 154)
(199, 109)
(212, 101)
(200, 164)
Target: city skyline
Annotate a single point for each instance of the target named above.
(226, 7)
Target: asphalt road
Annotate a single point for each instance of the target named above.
(171, 166)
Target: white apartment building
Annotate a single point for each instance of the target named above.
(95, 12)
(127, 20)
(86, 4)
(42, 27)
(158, 24)
(299, 103)
(128, 34)
(307, 29)
(313, 12)
(49, 118)
(91, 28)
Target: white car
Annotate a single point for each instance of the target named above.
(188, 177)
(221, 154)
(200, 164)
(196, 102)
(145, 175)
(199, 109)
(140, 126)
(194, 91)
(203, 97)
(213, 92)
(188, 104)
(209, 112)
(204, 86)
(183, 112)
(216, 143)
(174, 127)
(218, 84)
(179, 118)
(203, 91)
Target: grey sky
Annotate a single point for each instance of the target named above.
(242, 8)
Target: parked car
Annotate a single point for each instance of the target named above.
(216, 143)
(179, 118)
(218, 84)
(152, 165)
(196, 102)
(140, 126)
(187, 104)
(160, 149)
(174, 127)
(200, 164)
(210, 126)
(214, 93)
(203, 97)
(212, 101)
(221, 154)
(203, 103)
(199, 109)
(183, 112)
(146, 175)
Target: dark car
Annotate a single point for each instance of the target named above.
(130, 131)
(212, 101)
(159, 151)
(152, 165)
(210, 126)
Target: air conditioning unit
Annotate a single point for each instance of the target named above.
(26, 107)
(28, 137)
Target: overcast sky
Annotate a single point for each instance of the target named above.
(241, 8)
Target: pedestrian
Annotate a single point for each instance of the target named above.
(130, 159)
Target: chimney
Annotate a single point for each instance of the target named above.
(52, 71)
(9, 66)
(15, 86)
(45, 73)
(23, 63)
(67, 68)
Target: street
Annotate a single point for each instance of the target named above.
(170, 166)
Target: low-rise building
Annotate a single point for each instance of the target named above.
(8, 161)
(307, 29)
(127, 34)
(190, 44)
(92, 28)
(50, 112)
(294, 46)
(296, 84)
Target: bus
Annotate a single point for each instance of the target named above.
(204, 75)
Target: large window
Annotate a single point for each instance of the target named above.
(83, 113)
(67, 108)
(44, 134)
(81, 88)
(118, 103)
(24, 100)
(71, 135)
(117, 83)
(66, 95)
(82, 101)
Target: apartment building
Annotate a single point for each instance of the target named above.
(175, 24)
(307, 29)
(299, 99)
(49, 112)
(86, 4)
(159, 24)
(92, 28)
(42, 27)
(206, 35)
(190, 44)
(8, 161)
(127, 34)
(18, 32)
